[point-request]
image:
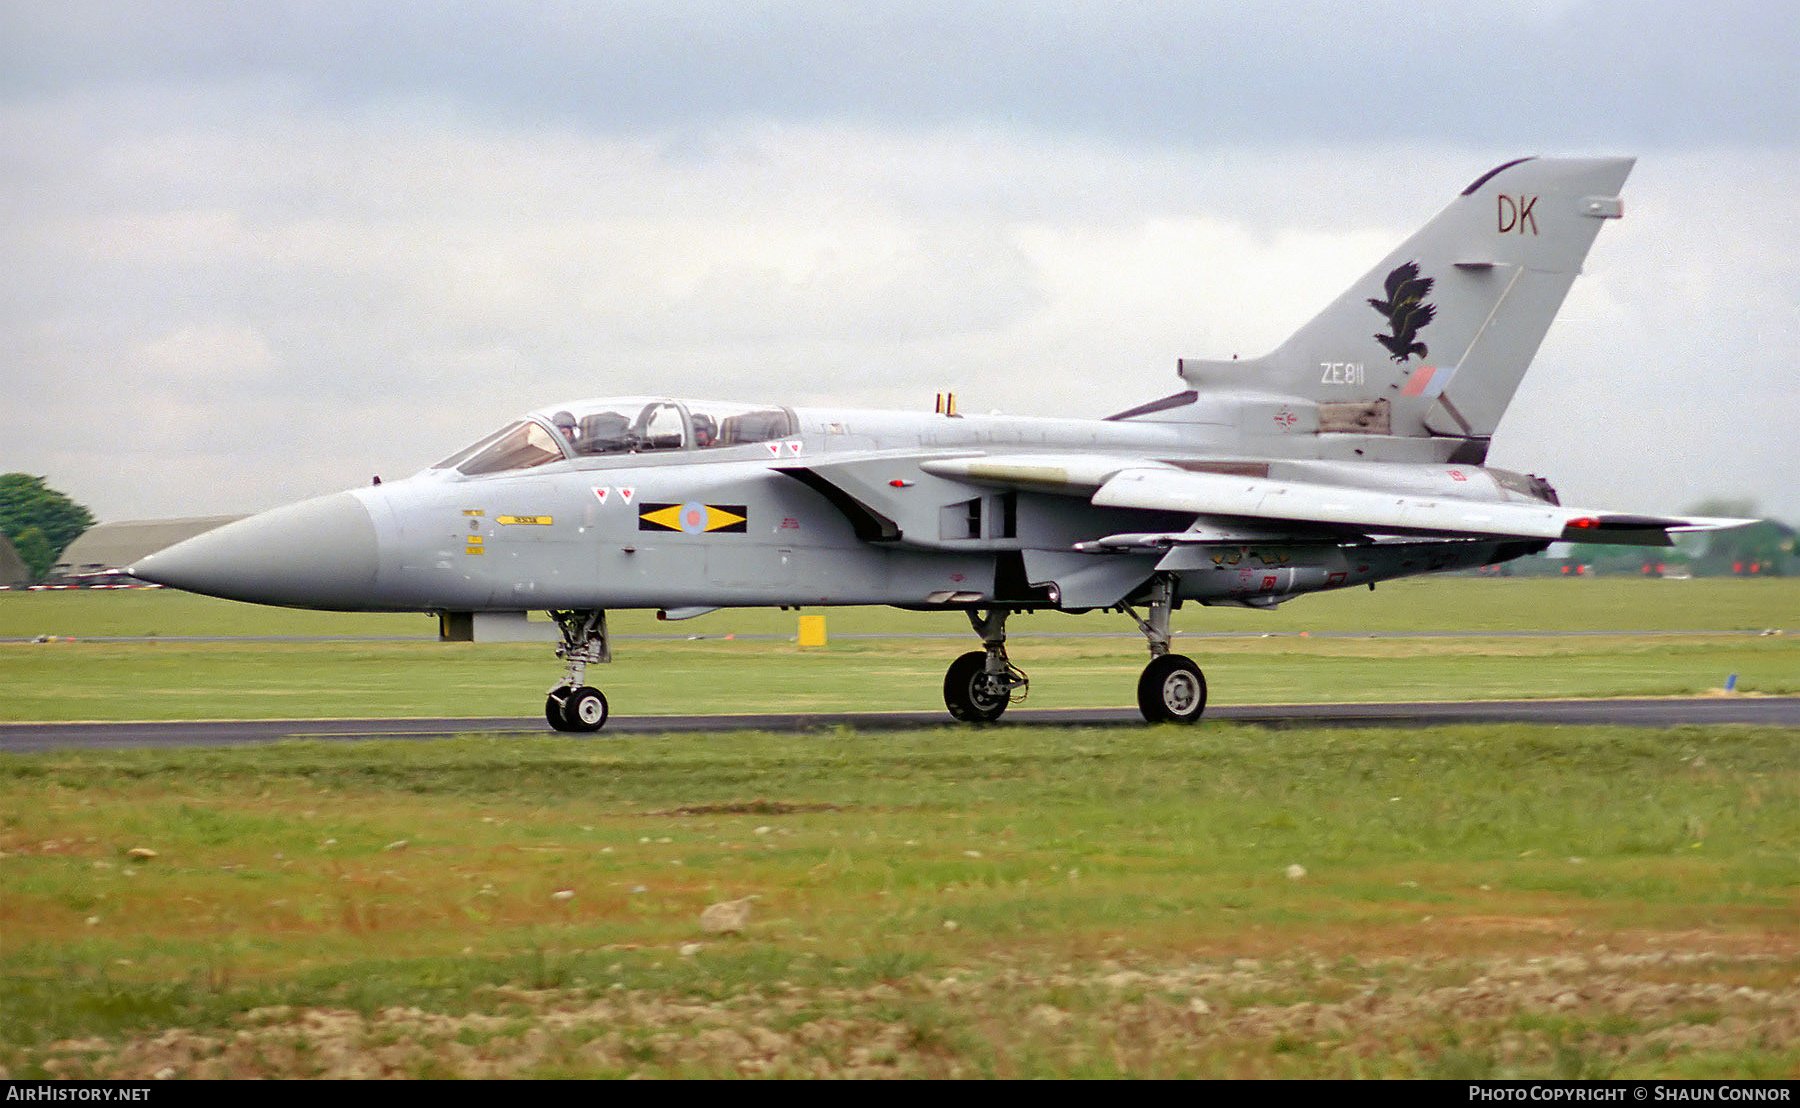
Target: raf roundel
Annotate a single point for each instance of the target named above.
(694, 518)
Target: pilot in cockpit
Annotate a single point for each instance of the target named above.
(565, 426)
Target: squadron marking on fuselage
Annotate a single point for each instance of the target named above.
(695, 518)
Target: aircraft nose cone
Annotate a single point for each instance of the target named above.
(316, 554)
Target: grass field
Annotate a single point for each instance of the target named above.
(951, 902)
(1449, 605)
(1491, 639)
(1041, 902)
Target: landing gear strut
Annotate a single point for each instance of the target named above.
(574, 705)
(981, 683)
(1171, 689)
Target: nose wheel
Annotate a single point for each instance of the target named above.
(574, 705)
(578, 710)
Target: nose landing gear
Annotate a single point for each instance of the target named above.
(573, 705)
(576, 709)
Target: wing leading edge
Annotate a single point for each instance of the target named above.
(1232, 508)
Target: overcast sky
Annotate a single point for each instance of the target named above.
(261, 251)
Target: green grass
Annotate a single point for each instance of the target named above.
(1454, 605)
(942, 902)
(90, 681)
(1537, 641)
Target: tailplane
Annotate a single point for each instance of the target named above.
(1433, 341)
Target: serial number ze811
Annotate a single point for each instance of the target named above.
(1341, 373)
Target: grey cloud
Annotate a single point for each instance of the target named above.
(258, 252)
(1167, 71)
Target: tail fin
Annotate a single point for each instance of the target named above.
(1433, 341)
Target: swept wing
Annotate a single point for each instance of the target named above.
(1232, 508)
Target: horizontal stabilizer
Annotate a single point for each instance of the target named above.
(1629, 530)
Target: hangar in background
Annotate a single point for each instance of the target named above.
(104, 550)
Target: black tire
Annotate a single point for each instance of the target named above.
(969, 694)
(556, 708)
(1172, 690)
(586, 710)
(576, 710)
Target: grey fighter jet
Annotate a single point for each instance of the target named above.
(1353, 453)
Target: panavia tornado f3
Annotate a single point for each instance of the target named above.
(1353, 453)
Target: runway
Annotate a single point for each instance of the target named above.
(1773, 711)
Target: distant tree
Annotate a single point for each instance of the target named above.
(1765, 547)
(35, 551)
(40, 521)
(1723, 508)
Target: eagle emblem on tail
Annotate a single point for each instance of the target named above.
(1406, 311)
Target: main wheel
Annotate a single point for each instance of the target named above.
(1172, 690)
(970, 693)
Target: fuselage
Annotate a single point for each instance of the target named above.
(662, 503)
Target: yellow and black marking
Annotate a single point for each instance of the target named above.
(525, 521)
(694, 518)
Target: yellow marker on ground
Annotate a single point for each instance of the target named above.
(812, 631)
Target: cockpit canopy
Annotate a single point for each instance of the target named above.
(619, 425)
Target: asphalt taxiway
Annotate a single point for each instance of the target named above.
(1771, 711)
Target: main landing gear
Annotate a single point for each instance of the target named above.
(981, 683)
(1171, 689)
(574, 705)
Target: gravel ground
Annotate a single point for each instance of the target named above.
(1601, 1012)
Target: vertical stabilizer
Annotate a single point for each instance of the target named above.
(1434, 340)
